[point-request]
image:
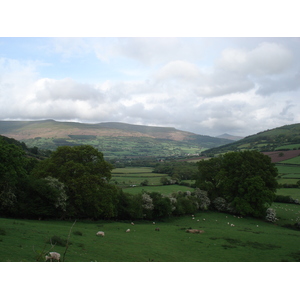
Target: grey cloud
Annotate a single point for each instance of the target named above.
(66, 89)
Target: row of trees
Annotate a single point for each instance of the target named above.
(74, 182)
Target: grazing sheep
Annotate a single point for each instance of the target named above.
(128, 230)
(53, 255)
(157, 229)
(153, 223)
(100, 233)
(232, 225)
(132, 223)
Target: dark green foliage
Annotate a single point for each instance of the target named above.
(162, 206)
(285, 199)
(86, 175)
(2, 231)
(246, 180)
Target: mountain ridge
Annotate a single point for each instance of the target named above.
(109, 137)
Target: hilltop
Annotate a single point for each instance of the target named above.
(114, 139)
(282, 138)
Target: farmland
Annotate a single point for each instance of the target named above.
(249, 240)
(130, 179)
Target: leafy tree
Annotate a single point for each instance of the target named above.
(86, 175)
(247, 180)
(162, 206)
(12, 169)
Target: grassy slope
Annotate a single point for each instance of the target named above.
(220, 242)
(277, 138)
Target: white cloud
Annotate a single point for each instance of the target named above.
(198, 85)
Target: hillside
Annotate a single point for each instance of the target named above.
(229, 137)
(286, 137)
(112, 138)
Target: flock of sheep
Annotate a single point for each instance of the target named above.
(55, 256)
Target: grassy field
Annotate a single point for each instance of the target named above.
(130, 180)
(249, 240)
(126, 177)
(164, 189)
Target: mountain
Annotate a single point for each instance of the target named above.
(229, 137)
(112, 138)
(286, 137)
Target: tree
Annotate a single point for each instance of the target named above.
(247, 180)
(12, 169)
(86, 175)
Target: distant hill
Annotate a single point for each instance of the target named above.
(286, 137)
(229, 137)
(112, 138)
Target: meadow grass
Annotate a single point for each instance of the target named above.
(165, 189)
(125, 177)
(294, 160)
(250, 240)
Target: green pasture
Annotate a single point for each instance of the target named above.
(288, 169)
(291, 147)
(294, 160)
(250, 240)
(163, 189)
(126, 177)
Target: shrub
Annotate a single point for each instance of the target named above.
(202, 198)
(220, 204)
(271, 215)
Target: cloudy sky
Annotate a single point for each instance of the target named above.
(204, 85)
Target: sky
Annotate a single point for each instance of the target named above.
(208, 85)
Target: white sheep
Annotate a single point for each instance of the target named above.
(53, 255)
(132, 223)
(100, 233)
(232, 225)
(128, 230)
(153, 223)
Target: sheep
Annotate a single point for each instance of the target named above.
(232, 225)
(128, 230)
(132, 223)
(53, 255)
(153, 223)
(157, 229)
(100, 233)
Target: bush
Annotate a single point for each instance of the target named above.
(220, 204)
(271, 215)
(286, 199)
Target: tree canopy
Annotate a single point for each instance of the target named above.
(246, 180)
(86, 175)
